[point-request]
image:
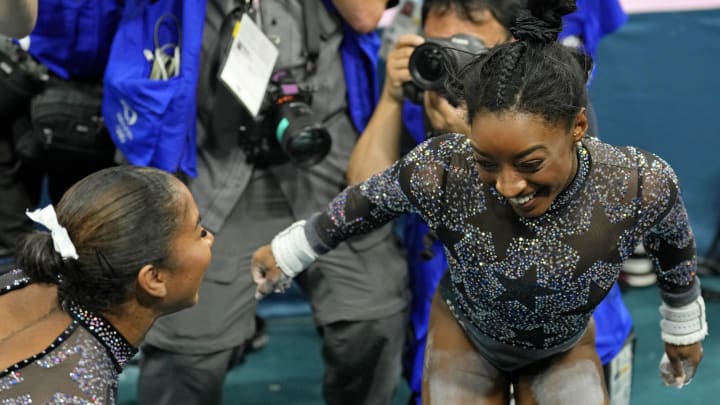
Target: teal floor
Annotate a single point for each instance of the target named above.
(288, 370)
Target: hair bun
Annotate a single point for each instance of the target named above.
(541, 22)
(529, 28)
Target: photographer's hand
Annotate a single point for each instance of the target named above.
(443, 116)
(397, 69)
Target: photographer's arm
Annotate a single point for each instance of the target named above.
(17, 17)
(362, 15)
(379, 145)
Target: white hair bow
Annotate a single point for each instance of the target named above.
(61, 240)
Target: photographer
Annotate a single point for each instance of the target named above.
(380, 144)
(398, 124)
(250, 186)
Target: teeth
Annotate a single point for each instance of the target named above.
(522, 200)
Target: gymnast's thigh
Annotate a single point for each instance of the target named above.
(454, 372)
(573, 377)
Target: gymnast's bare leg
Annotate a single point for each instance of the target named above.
(570, 378)
(455, 373)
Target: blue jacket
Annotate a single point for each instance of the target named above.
(72, 37)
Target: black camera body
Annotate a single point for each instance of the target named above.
(21, 77)
(432, 62)
(288, 129)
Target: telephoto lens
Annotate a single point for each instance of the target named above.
(288, 128)
(304, 140)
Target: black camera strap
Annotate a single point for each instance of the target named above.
(312, 34)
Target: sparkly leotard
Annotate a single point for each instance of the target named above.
(528, 284)
(80, 366)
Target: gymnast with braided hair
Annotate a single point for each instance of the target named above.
(536, 218)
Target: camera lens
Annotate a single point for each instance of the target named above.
(433, 61)
(303, 140)
(307, 145)
(426, 66)
(431, 69)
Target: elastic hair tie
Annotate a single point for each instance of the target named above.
(61, 240)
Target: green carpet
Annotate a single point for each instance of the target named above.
(289, 369)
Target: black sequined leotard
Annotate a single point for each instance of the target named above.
(81, 366)
(529, 283)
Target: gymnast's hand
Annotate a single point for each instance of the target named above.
(266, 274)
(679, 363)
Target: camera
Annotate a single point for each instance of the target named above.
(21, 77)
(432, 62)
(288, 128)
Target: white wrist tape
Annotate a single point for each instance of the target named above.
(683, 325)
(292, 251)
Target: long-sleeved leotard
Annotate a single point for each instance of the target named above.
(530, 283)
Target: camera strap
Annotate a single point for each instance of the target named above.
(224, 38)
(310, 20)
(312, 34)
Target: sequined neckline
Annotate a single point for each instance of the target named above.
(57, 342)
(18, 280)
(120, 349)
(567, 195)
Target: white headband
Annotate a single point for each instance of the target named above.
(61, 240)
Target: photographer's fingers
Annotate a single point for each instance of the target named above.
(410, 40)
(397, 72)
(397, 69)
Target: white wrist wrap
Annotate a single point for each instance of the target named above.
(683, 325)
(292, 251)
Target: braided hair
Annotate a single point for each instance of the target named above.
(533, 74)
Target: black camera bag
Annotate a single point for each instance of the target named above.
(65, 127)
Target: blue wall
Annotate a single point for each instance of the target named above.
(657, 86)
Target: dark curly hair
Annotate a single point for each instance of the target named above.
(534, 74)
(119, 220)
